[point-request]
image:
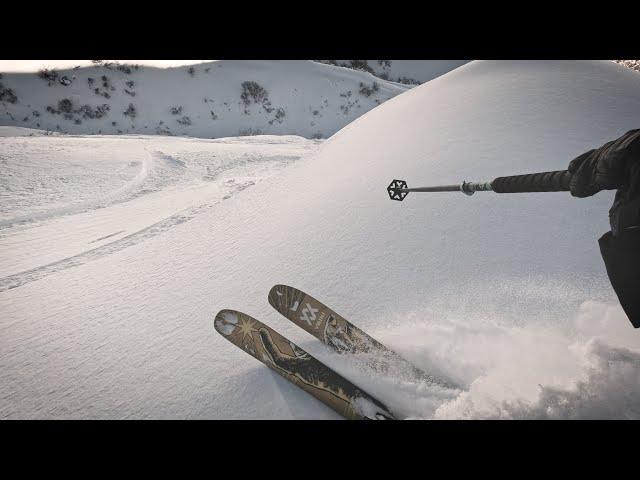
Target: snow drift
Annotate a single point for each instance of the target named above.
(505, 295)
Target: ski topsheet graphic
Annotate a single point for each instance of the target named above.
(335, 331)
(297, 366)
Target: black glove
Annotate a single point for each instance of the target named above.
(605, 168)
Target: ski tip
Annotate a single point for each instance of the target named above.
(278, 295)
(225, 321)
(279, 289)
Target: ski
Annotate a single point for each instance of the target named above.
(300, 368)
(337, 332)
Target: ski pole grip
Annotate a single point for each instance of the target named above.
(557, 181)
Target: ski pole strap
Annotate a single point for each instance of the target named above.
(557, 181)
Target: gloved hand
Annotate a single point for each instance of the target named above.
(605, 168)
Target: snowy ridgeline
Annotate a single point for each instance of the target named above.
(408, 72)
(117, 251)
(209, 100)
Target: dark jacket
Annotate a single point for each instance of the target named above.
(616, 165)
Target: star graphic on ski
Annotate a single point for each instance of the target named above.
(246, 326)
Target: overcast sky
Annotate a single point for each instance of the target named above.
(35, 65)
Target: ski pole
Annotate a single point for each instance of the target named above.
(557, 181)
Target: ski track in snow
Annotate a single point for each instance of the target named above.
(21, 278)
(160, 173)
(13, 281)
(118, 195)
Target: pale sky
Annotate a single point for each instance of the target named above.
(35, 65)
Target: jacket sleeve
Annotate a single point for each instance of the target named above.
(606, 168)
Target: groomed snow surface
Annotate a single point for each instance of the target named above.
(117, 252)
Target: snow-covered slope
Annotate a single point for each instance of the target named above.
(210, 100)
(410, 72)
(505, 295)
(65, 200)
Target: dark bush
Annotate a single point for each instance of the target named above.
(7, 95)
(86, 111)
(176, 110)
(102, 110)
(367, 91)
(266, 105)
(130, 83)
(408, 81)
(362, 65)
(251, 90)
(51, 76)
(280, 114)
(124, 68)
(65, 105)
(130, 111)
(192, 71)
(184, 121)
